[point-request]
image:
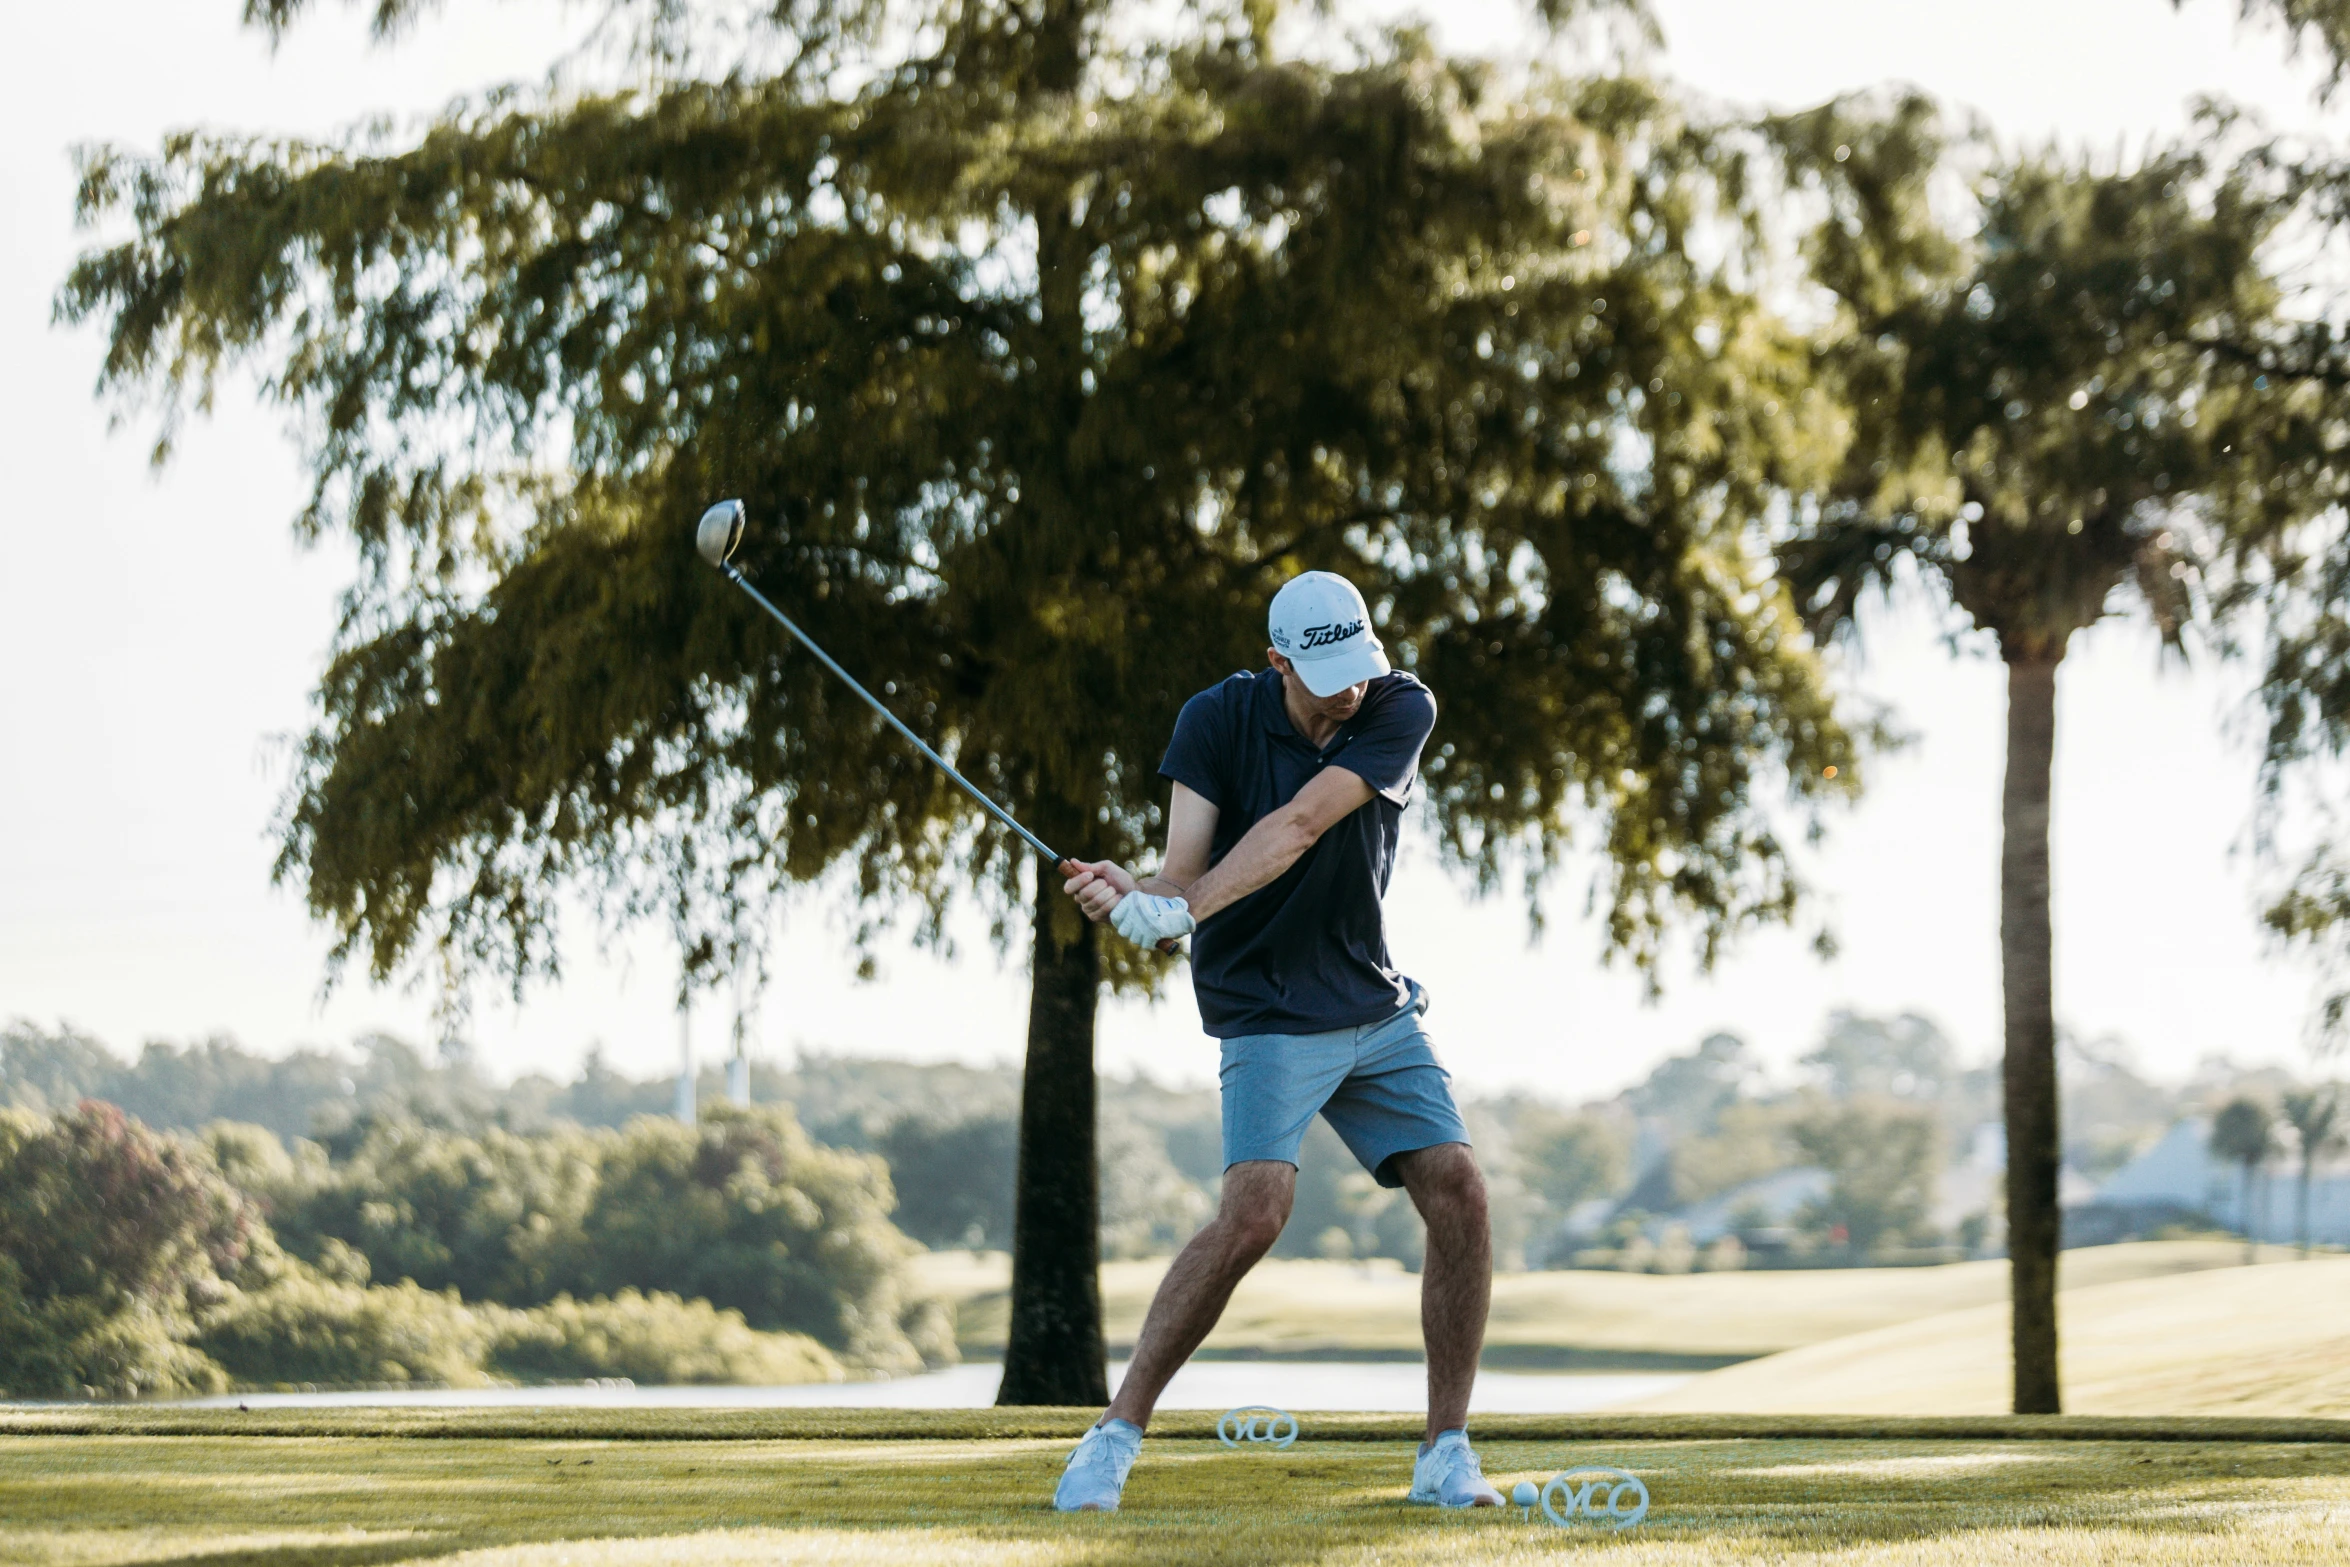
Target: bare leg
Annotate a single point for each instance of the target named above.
(1456, 1282)
(1257, 1195)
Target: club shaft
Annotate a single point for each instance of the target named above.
(889, 717)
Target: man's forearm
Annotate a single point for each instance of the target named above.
(1272, 846)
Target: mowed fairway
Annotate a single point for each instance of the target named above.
(627, 1490)
(2271, 1340)
(1564, 1320)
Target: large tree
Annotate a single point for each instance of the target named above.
(1043, 349)
(2320, 25)
(2061, 410)
(2297, 575)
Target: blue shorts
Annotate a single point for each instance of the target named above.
(1379, 1086)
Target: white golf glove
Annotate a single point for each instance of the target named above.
(1146, 919)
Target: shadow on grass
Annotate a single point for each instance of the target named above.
(366, 1553)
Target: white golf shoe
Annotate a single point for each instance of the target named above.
(1446, 1474)
(1095, 1474)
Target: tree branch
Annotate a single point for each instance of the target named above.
(2335, 375)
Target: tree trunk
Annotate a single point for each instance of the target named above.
(2301, 1205)
(2244, 1215)
(2034, 1142)
(1054, 1354)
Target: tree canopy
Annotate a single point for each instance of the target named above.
(1035, 397)
(2324, 23)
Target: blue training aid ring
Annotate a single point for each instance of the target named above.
(1596, 1493)
(1253, 1423)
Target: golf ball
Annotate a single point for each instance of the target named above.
(1525, 1495)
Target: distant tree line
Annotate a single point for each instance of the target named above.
(419, 1163)
(1884, 1110)
(136, 1261)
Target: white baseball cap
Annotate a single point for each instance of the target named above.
(1321, 625)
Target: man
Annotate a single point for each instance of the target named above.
(1289, 792)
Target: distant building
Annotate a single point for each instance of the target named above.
(1768, 1202)
(2179, 1179)
(1974, 1186)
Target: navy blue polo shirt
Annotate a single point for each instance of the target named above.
(1307, 952)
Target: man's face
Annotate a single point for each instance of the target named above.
(1337, 707)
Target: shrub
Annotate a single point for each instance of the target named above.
(95, 1206)
(305, 1327)
(492, 1217)
(73, 1347)
(656, 1338)
(112, 1240)
(256, 1162)
(130, 1267)
(743, 1210)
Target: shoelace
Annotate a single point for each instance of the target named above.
(1099, 1450)
(1454, 1460)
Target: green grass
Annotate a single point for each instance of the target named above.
(1563, 1320)
(2270, 1340)
(83, 1488)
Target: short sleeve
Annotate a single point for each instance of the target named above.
(1197, 755)
(1385, 751)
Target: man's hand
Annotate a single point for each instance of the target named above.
(1096, 885)
(1148, 920)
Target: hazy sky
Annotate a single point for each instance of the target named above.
(159, 633)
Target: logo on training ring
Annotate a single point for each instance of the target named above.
(1256, 1423)
(1603, 1495)
(1323, 636)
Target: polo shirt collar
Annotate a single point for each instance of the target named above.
(1273, 713)
(1272, 710)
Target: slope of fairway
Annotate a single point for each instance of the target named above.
(1562, 1320)
(2271, 1340)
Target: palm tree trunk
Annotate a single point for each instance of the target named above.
(2034, 1143)
(2301, 1205)
(1054, 1352)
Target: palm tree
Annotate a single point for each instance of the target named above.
(2314, 1114)
(2244, 1134)
(2046, 411)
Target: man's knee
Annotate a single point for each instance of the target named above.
(1257, 1197)
(1446, 1186)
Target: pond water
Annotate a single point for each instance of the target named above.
(1211, 1384)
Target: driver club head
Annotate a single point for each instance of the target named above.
(719, 531)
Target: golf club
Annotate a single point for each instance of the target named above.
(716, 536)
